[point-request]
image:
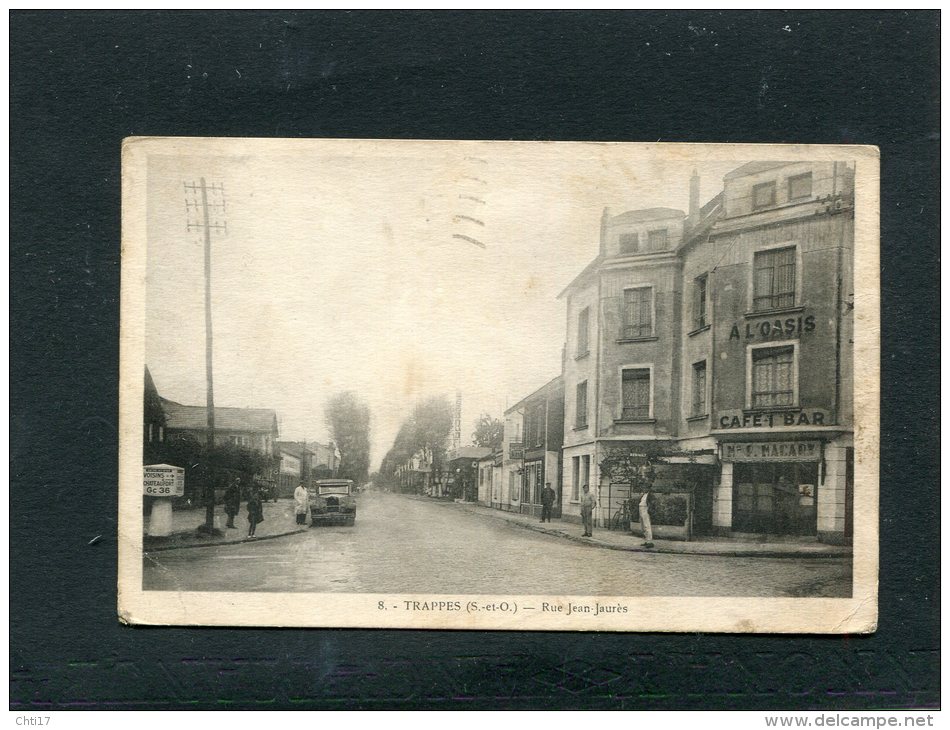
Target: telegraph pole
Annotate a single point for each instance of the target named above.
(200, 206)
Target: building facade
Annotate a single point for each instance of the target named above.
(718, 344)
(532, 453)
(295, 466)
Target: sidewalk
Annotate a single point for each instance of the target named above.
(620, 540)
(279, 520)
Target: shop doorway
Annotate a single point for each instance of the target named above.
(777, 498)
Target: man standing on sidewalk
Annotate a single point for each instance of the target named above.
(587, 511)
(646, 501)
(301, 504)
(547, 502)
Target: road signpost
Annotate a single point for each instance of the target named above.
(162, 481)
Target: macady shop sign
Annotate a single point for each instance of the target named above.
(164, 480)
(771, 451)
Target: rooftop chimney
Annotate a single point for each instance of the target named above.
(603, 231)
(694, 198)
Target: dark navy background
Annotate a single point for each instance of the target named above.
(81, 81)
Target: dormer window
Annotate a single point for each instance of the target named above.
(763, 195)
(656, 240)
(799, 186)
(629, 243)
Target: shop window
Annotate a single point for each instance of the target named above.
(583, 326)
(629, 243)
(773, 377)
(657, 240)
(575, 478)
(635, 386)
(799, 186)
(637, 313)
(513, 486)
(763, 195)
(776, 498)
(699, 286)
(699, 389)
(774, 279)
(580, 417)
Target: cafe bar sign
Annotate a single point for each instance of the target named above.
(772, 451)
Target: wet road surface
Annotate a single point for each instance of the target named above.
(405, 545)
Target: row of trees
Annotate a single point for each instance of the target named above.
(425, 434)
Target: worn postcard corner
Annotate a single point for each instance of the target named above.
(499, 385)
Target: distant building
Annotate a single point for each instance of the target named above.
(295, 466)
(251, 428)
(532, 455)
(325, 460)
(463, 473)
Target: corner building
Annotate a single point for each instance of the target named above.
(780, 295)
(723, 337)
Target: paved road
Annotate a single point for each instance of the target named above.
(403, 545)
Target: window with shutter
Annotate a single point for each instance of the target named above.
(629, 243)
(583, 326)
(699, 389)
(773, 377)
(657, 240)
(774, 279)
(580, 417)
(636, 394)
(637, 313)
(700, 305)
(763, 195)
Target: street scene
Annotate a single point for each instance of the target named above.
(430, 370)
(398, 539)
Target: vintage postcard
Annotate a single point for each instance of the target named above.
(499, 385)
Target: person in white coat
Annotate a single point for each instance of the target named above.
(646, 502)
(301, 504)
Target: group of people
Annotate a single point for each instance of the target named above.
(647, 500)
(255, 506)
(588, 502)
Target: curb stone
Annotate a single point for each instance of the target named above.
(162, 548)
(593, 542)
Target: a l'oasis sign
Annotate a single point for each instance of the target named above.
(164, 480)
(772, 451)
(773, 419)
(771, 329)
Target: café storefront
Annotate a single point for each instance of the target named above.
(775, 485)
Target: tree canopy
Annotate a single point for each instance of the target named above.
(489, 432)
(348, 421)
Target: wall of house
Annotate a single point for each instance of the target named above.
(811, 327)
(580, 366)
(617, 227)
(655, 352)
(828, 178)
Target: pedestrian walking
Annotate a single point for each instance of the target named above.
(548, 496)
(647, 500)
(255, 510)
(232, 502)
(587, 511)
(301, 504)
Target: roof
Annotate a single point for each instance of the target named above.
(293, 448)
(588, 270)
(469, 452)
(551, 383)
(263, 420)
(646, 214)
(751, 168)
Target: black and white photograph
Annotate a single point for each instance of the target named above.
(499, 385)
